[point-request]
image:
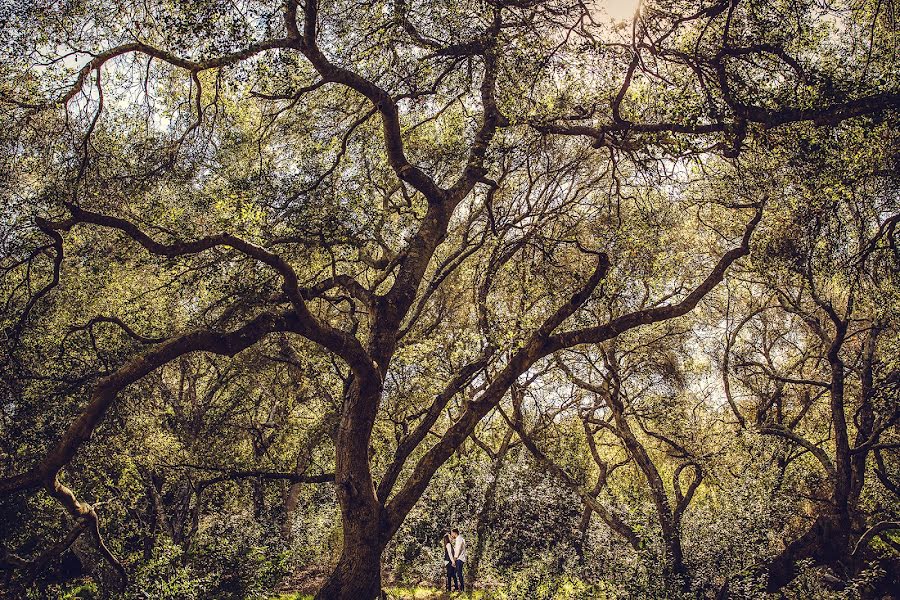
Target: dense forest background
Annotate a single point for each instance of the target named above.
(289, 289)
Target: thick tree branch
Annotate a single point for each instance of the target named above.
(816, 451)
(607, 331)
(521, 361)
(106, 390)
(872, 532)
(234, 475)
(194, 66)
(339, 342)
(412, 441)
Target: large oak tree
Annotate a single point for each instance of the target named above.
(332, 174)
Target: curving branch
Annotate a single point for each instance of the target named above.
(882, 474)
(712, 79)
(57, 245)
(32, 567)
(411, 441)
(337, 341)
(872, 532)
(730, 339)
(521, 361)
(193, 66)
(816, 451)
(783, 379)
(121, 325)
(683, 498)
(46, 472)
(611, 329)
(306, 43)
(237, 474)
(106, 390)
(539, 345)
(85, 513)
(587, 496)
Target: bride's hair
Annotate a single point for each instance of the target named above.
(446, 539)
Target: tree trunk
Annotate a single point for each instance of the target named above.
(291, 503)
(674, 568)
(825, 542)
(583, 525)
(481, 523)
(358, 571)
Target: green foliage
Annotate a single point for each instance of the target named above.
(174, 171)
(165, 575)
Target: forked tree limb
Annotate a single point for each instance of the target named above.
(617, 326)
(541, 344)
(46, 472)
(32, 567)
(106, 390)
(84, 512)
(587, 496)
(335, 340)
(797, 439)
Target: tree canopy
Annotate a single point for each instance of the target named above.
(291, 287)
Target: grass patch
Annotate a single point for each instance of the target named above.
(424, 593)
(406, 593)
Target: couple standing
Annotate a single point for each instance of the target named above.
(455, 559)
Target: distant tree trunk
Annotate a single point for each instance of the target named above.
(828, 540)
(674, 568)
(291, 502)
(292, 494)
(583, 525)
(160, 520)
(487, 508)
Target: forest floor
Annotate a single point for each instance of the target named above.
(303, 583)
(406, 593)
